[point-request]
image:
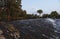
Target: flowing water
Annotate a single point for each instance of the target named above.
(56, 24)
(40, 26)
(45, 27)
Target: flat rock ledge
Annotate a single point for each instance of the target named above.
(28, 29)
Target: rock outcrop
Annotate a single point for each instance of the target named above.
(28, 29)
(8, 31)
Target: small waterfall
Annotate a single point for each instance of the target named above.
(51, 21)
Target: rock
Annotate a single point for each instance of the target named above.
(8, 31)
(36, 27)
(28, 29)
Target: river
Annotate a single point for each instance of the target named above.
(39, 27)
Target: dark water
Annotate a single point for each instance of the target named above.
(57, 21)
(56, 25)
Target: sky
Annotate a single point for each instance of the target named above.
(31, 6)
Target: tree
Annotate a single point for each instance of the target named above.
(39, 11)
(54, 14)
(13, 9)
(45, 15)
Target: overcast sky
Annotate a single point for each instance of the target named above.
(46, 5)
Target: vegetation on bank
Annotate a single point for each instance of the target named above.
(13, 11)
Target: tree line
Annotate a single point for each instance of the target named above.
(53, 14)
(12, 11)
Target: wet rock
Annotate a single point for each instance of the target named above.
(28, 29)
(36, 27)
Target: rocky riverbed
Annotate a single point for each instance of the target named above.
(29, 29)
